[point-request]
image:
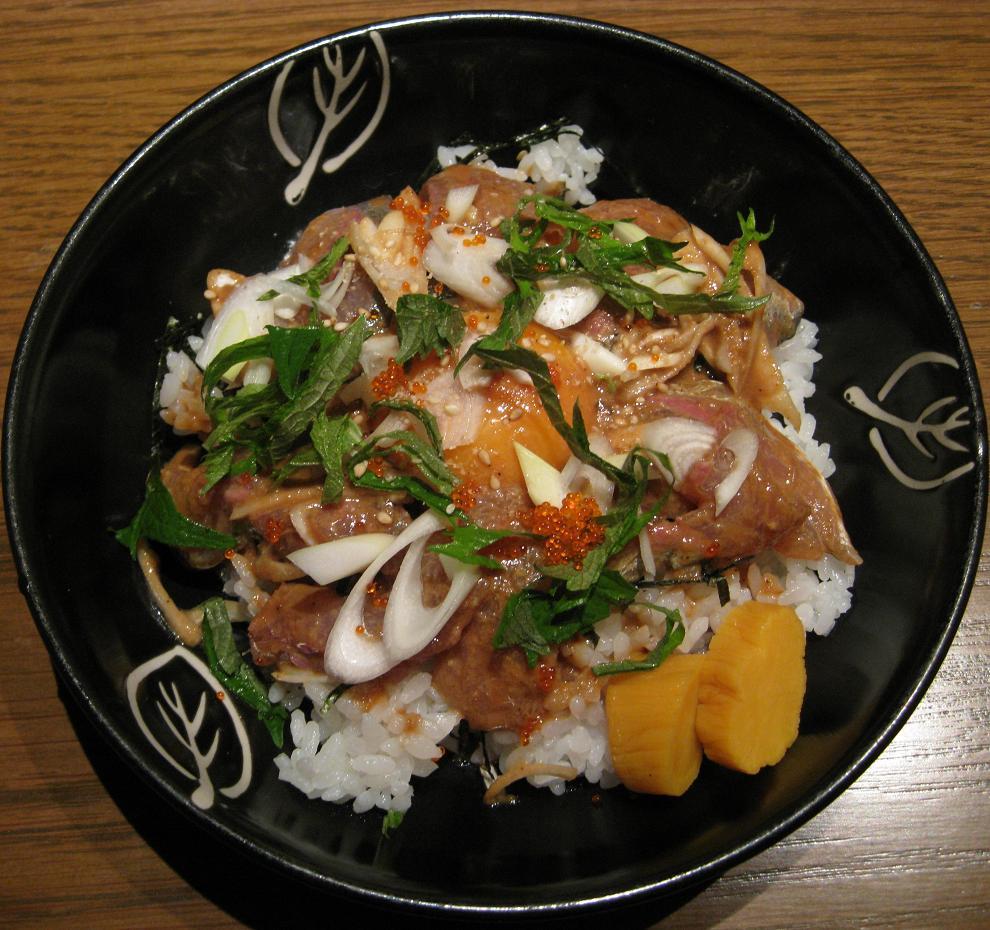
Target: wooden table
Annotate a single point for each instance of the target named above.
(905, 86)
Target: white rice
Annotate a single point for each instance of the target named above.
(349, 752)
(561, 163)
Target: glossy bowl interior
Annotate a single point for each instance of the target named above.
(209, 190)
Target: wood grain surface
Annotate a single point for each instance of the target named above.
(905, 86)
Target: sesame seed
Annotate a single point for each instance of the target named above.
(563, 262)
(494, 483)
(484, 456)
(549, 357)
(449, 509)
(210, 294)
(526, 343)
(495, 221)
(515, 413)
(339, 327)
(451, 409)
(360, 469)
(384, 517)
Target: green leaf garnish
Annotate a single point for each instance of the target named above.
(332, 439)
(290, 349)
(426, 324)
(422, 454)
(672, 638)
(466, 542)
(391, 821)
(329, 371)
(236, 675)
(429, 422)
(159, 519)
(574, 433)
(312, 279)
(749, 233)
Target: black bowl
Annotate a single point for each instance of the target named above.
(217, 187)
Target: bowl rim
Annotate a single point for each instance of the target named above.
(862, 755)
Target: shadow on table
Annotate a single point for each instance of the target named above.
(261, 898)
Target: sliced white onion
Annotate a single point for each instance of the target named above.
(646, 554)
(672, 280)
(410, 625)
(566, 301)
(683, 441)
(472, 373)
(585, 479)
(243, 316)
(258, 371)
(628, 232)
(744, 445)
(467, 269)
(332, 293)
(351, 655)
(544, 483)
(600, 360)
(330, 561)
(458, 202)
(297, 515)
(375, 353)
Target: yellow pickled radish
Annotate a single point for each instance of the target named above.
(651, 726)
(752, 687)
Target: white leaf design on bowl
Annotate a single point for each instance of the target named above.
(916, 428)
(334, 109)
(190, 730)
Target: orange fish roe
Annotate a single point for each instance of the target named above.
(378, 597)
(571, 530)
(389, 381)
(476, 240)
(465, 495)
(441, 216)
(417, 387)
(377, 466)
(273, 530)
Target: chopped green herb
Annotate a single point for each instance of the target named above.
(332, 439)
(422, 454)
(672, 638)
(426, 324)
(391, 821)
(331, 368)
(749, 233)
(466, 542)
(332, 697)
(236, 675)
(312, 279)
(159, 519)
(290, 350)
(574, 433)
(424, 416)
